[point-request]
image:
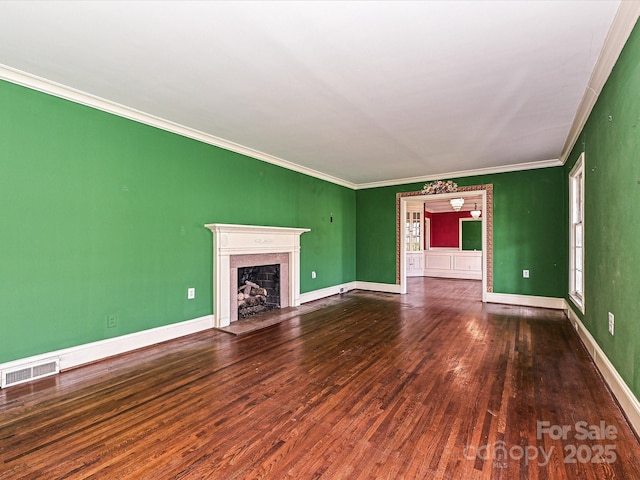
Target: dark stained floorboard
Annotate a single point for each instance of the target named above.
(370, 386)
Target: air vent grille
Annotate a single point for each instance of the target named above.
(26, 373)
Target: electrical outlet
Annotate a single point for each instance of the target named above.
(112, 320)
(313, 274)
(525, 273)
(611, 323)
(191, 293)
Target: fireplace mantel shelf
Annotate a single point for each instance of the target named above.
(253, 229)
(230, 240)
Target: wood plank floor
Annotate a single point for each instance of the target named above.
(430, 385)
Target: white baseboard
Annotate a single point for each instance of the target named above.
(527, 300)
(627, 400)
(378, 287)
(460, 274)
(326, 292)
(90, 352)
(336, 289)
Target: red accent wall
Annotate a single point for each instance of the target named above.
(445, 228)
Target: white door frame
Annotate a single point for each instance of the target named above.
(403, 213)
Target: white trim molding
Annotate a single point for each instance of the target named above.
(619, 388)
(94, 351)
(61, 91)
(527, 300)
(326, 292)
(346, 287)
(486, 193)
(49, 87)
(621, 27)
(378, 287)
(577, 230)
(516, 167)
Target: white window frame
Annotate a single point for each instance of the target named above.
(576, 230)
(411, 210)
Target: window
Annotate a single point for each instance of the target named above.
(576, 233)
(413, 229)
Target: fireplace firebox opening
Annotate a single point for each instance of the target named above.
(258, 289)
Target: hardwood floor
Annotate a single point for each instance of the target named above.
(431, 385)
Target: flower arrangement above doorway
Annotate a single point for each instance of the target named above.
(440, 186)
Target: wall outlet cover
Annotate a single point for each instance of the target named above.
(611, 323)
(112, 320)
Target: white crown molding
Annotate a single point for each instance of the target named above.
(621, 27)
(464, 173)
(621, 391)
(52, 88)
(61, 91)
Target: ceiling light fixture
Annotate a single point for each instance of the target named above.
(456, 203)
(475, 213)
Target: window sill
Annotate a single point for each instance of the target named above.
(577, 301)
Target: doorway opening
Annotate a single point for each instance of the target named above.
(484, 193)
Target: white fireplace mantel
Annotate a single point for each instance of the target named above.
(230, 240)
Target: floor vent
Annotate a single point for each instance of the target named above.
(32, 371)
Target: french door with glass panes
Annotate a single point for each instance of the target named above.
(414, 240)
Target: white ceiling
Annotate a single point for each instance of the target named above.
(361, 91)
(438, 205)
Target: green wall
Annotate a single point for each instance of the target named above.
(104, 216)
(529, 231)
(471, 235)
(611, 142)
